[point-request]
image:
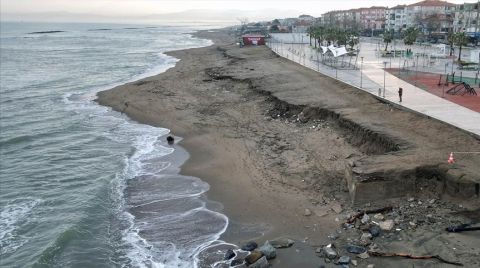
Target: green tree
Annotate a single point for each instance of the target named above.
(311, 34)
(461, 40)
(411, 35)
(353, 39)
(387, 38)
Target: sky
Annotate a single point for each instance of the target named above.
(138, 9)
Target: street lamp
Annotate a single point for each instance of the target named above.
(384, 70)
(361, 74)
(416, 70)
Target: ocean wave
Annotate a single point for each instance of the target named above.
(47, 32)
(11, 217)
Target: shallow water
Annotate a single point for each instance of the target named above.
(82, 185)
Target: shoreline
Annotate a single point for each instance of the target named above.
(232, 112)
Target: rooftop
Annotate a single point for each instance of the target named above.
(433, 3)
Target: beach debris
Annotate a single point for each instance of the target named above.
(307, 212)
(354, 262)
(249, 246)
(253, 256)
(374, 230)
(462, 228)
(371, 266)
(366, 236)
(370, 211)
(336, 206)
(386, 225)
(260, 263)
(363, 255)
(409, 256)
(236, 262)
(170, 140)
(379, 216)
(329, 251)
(229, 254)
(365, 219)
(344, 260)
(268, 250)
(355, 249)
(282, 242)
(333, 236)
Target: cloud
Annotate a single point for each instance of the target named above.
(132, 8)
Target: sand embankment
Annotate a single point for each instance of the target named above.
(273, 139)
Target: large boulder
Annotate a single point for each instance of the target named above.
(268, 250)
(356, 249)
(253, 257)
(229, 254)
(329, 252)
(344, 260)
(260, 263)
(282, 242)
(374, 230)
(249, 246)
(236, 262)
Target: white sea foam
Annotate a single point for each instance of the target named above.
(10, 217)
(148, 150)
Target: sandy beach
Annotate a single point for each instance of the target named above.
(276, 141)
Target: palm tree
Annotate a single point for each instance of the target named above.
(451, 42)
(387, 38)
(320, 34)
(310, 31)
(460, 40)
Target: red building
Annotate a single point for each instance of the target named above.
(253, 40)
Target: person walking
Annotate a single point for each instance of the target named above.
(400, 92)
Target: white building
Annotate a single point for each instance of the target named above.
(467, 19)
(395, 18)
(430, 16)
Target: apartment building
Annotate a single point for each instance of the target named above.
(396, 18)
(467, 19)
(431, 16)
(372, 18)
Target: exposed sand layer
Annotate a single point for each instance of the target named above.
(273, 139)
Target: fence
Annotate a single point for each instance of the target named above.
(347, 69)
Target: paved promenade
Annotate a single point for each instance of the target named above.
(372, 79)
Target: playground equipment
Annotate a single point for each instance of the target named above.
(462, 89)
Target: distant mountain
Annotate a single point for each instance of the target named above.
(221, 17)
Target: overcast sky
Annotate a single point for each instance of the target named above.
(117, 8)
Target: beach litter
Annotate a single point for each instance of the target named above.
(409, 256)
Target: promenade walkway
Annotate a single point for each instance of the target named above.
(373, 79)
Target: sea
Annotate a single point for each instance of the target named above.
(82, 185)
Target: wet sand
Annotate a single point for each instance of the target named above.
(242, 114)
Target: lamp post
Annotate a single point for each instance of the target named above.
(384, 67)
(416, 70)
(361, 74)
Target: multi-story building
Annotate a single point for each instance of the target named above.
(345, 19)
(372, 19)
(431, 16)
(467, 19)
(396, 18)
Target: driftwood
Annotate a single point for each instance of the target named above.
(361, 213)
(461, 228)
(408, 256)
